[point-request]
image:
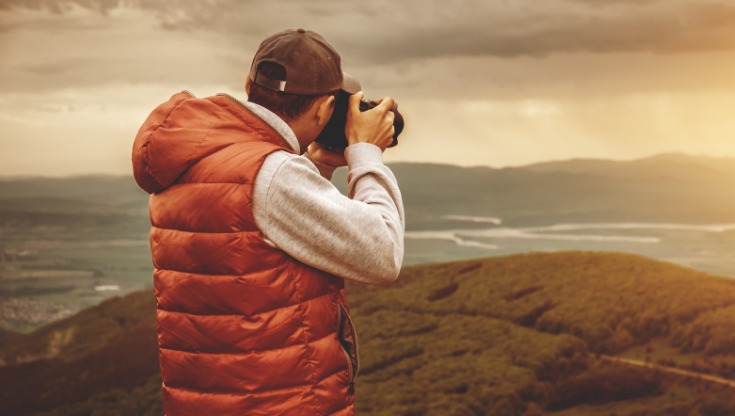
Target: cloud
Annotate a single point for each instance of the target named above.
(480, 82)
(417, 29)
(397, 49)
(52, 68)
(43, 52)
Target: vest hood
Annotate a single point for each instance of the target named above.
(185, 129)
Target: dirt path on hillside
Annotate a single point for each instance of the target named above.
(671, 370)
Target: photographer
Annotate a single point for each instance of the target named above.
(251, 242)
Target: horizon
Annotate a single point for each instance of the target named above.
(389, 163)
(500, 83)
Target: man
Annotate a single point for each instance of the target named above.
(251, 242)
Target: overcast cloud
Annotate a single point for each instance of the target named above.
(412, 29)
(615, 79)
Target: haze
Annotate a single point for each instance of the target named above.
(493, 83)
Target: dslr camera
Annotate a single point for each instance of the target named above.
(333, 135)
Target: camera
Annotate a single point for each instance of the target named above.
(333, 136)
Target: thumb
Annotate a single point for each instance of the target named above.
(355, 101)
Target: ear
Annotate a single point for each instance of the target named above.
(248, 83)
(325, 108)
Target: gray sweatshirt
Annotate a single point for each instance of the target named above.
(299, 211)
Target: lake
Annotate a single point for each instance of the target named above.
(706, 247)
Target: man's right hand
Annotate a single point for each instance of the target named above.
(373, 126)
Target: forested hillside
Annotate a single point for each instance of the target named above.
(515, 335)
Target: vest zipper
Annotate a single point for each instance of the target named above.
(353, 368)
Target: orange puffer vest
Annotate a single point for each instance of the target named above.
(243, 328)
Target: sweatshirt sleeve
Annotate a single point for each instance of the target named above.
(359, 237)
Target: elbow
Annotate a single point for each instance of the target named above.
(381, 268)
(388, 278)
(391, 268)
(378, 260)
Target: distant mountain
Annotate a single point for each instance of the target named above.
(662, 164)
(515, 335)
(66, 208)
(664, 188)
(115, 192)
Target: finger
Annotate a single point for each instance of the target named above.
(388, 138)
(387, 134)
(388, 121)
(355, 101)
(393, 108)
(385, 104)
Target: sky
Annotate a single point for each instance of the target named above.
(492, 82)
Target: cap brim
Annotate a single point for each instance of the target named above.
(350, 84)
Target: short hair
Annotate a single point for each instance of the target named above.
(289, 106)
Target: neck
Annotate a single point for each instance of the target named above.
(301, 132)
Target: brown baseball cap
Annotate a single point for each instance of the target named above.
(312, 65)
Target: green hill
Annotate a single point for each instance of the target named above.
(515, 335)
(108, 346)
(530, 327)
(9, 337)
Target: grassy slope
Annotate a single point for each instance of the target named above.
(9, 337)
(112, 345)
(612, 302)
(82, 334)
(500, 336)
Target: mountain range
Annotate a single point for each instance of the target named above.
(663, 188)
(63, 240)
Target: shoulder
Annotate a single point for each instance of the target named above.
(282, 162)
(283, 170)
